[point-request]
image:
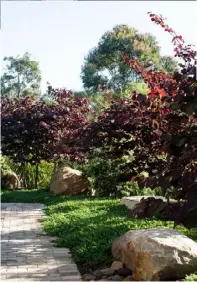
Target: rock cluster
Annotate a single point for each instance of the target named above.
(117, 272)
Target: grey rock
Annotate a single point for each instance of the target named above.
(107, 271)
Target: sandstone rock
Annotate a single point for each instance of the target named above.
(88, 277)
(9, 179)
(116, 265)
(124, 271)
(107, 271)
(69, 181)
(156, 254)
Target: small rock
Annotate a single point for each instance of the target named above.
(117, 278)
(53, 239)
(124, 271)
(117, 265)
(128, 278)
(98, 274)
(107, 271)
(88, 277)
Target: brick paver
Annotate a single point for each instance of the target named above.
(25, 254)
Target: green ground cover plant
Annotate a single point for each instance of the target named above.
(86, 225)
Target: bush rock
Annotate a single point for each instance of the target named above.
(88, 277)
(68, 181)
(156, 254)
(117, 265)
(107, 271)
(9, 180)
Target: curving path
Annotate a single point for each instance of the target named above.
(28, 256)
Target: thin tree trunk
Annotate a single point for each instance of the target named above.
(36, 176)
(24, 176)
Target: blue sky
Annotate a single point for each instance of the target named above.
(60, 33)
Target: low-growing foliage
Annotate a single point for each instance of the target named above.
(191, 277)
(86, 225)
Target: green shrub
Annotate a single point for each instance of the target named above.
(103, 175)
(191, 277)
(44, 174)
(132, 189)
(27, 172)
(105, 178)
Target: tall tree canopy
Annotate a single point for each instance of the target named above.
(103, 65)
(168, 64)
(21, 77)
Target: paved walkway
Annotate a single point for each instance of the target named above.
(25, 254)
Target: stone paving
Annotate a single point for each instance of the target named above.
(25, 254)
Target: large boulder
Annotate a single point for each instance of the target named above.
(156, 254)
(9, 179)
(69, 181)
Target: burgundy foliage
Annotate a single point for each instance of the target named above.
(32, 130)
(160, 129)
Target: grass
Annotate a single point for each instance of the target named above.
(86, 225)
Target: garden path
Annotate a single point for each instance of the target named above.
(26, 255)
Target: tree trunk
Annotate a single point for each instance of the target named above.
(36, 176)
(24, 176)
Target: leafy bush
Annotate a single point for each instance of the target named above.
(103, 175)
(44, 175)
(132, 189)
(191, 277)
(26, 173)
(105, 178)
(32, 130)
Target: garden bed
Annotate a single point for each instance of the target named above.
(86, 225)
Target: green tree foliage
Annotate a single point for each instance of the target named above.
(21, 77)
(168, 64)
(104, 64)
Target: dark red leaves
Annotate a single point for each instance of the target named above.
(160, 125)
(29, 124)
(42, 123)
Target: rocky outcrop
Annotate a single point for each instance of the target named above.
(69, 181)
(156, 254)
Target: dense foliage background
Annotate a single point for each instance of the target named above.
(124, 140)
